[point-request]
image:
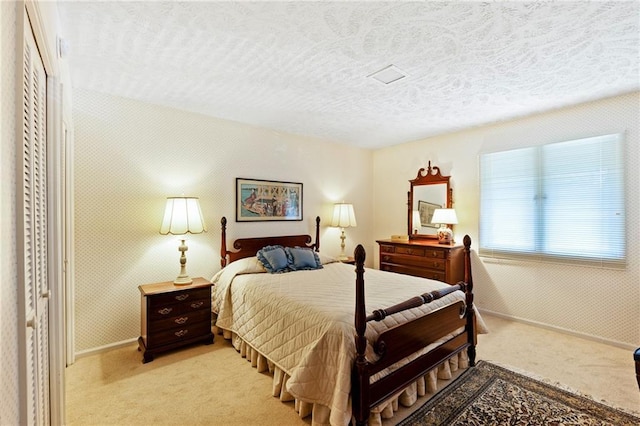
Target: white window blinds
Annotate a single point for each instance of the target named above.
(559, 202)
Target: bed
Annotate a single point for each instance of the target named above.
(339, 364)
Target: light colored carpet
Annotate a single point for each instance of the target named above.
(213, 385)
(199, 385)
(606, 373)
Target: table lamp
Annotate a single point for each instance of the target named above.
(416, 222)
(182, 215)
(343, 217)
(444, 217)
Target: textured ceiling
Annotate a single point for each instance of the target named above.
(302, 67)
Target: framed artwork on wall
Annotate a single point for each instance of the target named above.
(267, 200)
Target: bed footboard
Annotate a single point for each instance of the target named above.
(403, 340)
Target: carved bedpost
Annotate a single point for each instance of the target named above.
(471, 320)
(223, 245)
(317, 242)
(360, 378)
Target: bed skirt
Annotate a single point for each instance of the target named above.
(428, 384)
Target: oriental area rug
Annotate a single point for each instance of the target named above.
(488, 394)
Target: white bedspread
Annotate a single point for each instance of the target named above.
(303, 321)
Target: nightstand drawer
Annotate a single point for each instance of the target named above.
(166, 311)
(174, 335)
(183, 297)
(183, 320)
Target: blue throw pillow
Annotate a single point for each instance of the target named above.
(274, 259)
(302, 258)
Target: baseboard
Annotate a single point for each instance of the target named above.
(105, 348)
(560, 330)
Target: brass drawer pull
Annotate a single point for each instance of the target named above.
(182, 297)
(181, 333)
(386, 258)
(165, 311)
(196, 305)
(181, 320)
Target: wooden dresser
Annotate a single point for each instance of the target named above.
(174, 315)
(423, 258)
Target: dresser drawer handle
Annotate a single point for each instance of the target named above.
(182, 297)
(386, 258)
(196, 305)
(165, 311)
(181, 333)
(434, 254)
(181, 320)
(409, 251)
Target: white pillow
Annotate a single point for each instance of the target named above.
(324, 259)
(247, 265)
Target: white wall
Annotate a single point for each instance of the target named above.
(129, 156)
(600, 303)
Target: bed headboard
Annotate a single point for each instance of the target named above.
(247, 247)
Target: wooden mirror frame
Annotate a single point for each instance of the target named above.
(432, 177)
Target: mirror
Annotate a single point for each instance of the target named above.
(429, 191)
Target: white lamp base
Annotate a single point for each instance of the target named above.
(445, 235)
(183, 278)
(343, 255)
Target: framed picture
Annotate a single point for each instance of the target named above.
(267, 200)
(426, 213)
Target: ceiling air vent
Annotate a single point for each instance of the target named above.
(388, 74)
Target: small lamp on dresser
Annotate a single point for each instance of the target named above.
(416, 222)
(182, 215)
(444, 217)
(343, 217)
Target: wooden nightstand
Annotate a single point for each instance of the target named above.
(174, 316)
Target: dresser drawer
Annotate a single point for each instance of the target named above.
(419, 262)
(387, 249)
(164, 337)
(412, 251)
(181, 297)
(435, 254)
(415, 271)
(423, 259)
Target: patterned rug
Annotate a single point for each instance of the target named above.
(491, 395)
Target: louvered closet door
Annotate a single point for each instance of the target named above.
(32, 239)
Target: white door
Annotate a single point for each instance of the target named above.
(32, 238)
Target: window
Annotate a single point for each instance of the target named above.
(562, 202)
